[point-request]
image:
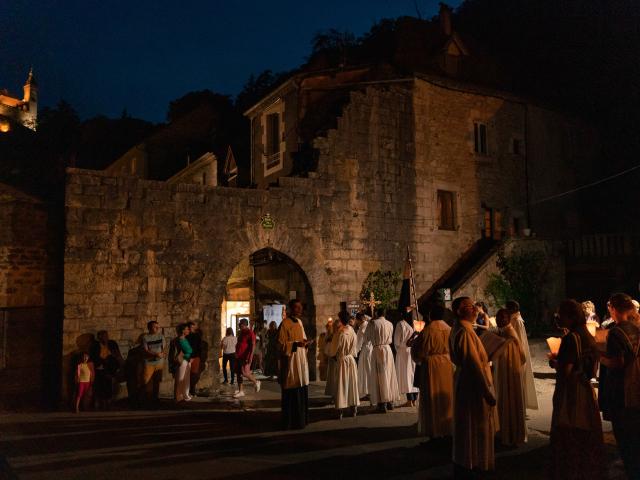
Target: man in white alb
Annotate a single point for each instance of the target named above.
(364, 355)
(383, 382)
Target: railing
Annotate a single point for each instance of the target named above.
(272, 160)
(604, 245)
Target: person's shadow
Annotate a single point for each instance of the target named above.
(133, 373)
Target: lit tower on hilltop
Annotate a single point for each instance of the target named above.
(20, 111)
(30, 99)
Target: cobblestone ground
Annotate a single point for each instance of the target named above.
(227, 438)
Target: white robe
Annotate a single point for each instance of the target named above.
(297, 373)
(383, 382)
(346, 370)
(330, 386)
(405, 366)
(528, 385)
(364, 360)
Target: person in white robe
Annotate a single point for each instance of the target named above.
(331, 341)
(528, 385)
(405, 366)
(343, 350)
(364, 348)
(383, 381)
(507, 374)
(294, 376)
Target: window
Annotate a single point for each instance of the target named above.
(480, 138)
(272, 149)
(272, 142)
(487, 231)
(446, 210)
(516, 146)
(204, 178)
(273, 133)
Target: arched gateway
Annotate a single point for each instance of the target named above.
(138, 251)
(259, 288)
(265, 267)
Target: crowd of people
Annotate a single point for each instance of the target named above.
(469, 375)
(100, 370)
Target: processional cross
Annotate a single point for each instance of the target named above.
(372, 302)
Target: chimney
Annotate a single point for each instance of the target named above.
(445, 19)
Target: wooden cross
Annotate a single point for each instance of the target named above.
(372, 302)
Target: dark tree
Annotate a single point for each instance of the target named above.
(259, 86)
(192, 100)
(102, 140)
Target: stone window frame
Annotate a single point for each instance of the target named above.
(477, 148)
(519, 139)
(277, 107)
(446, 187)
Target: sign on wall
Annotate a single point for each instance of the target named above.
(267, 222)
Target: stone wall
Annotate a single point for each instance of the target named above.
(139, 250)
(30, 317)
(23, 249)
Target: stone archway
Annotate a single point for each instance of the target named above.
(260, 287)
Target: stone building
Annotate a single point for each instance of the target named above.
(22, 111)
(423, 162)
(350, 166)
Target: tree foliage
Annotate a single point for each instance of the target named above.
(522, 275)
(258, 86)
(192, 100)
(385, 286)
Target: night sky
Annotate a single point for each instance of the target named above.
(105, 56)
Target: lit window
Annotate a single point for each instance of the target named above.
(446, 210)
(480, 138)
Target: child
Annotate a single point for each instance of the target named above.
(85, 374)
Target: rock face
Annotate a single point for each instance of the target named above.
(140, 250)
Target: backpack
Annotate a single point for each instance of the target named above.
(632, 377)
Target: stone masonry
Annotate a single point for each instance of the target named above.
(139, 250)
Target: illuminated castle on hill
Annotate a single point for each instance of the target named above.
(23, 112)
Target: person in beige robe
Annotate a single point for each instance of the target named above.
(528, 384)
(474, 416)
(331, 342)
(323, 360)
(294, 376)
(508, 371)
(430, 349)
(343, 351)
